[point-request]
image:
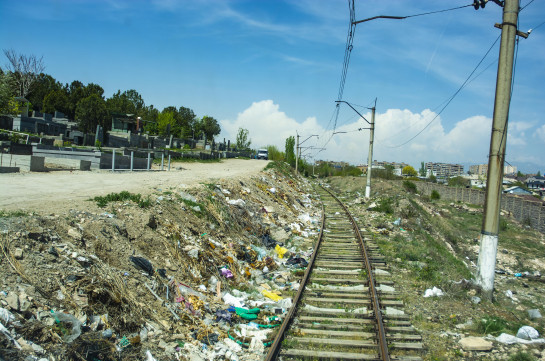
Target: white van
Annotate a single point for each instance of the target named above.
(262, 154)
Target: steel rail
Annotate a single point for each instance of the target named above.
(275, 347)
(383, 344)
(381, 333)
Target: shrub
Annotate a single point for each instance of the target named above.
(503, 224)
(409, 186)
(521, 356)
(435, 195)
(385, 205)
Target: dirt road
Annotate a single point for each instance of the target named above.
(61, 190)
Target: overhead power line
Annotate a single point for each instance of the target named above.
(411, 16)
(451, 98)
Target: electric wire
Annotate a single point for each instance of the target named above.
(412, 16)
(522, 8)
(450, 99)
(403, 130)
(344, 72)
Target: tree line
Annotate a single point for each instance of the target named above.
(23, 77)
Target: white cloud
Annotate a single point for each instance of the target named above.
(267, 125)
(540, 132)
(467, 141)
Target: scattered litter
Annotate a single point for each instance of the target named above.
(267, 241)
(233, 301)
(280, 251)
(272, 296)
(226, 272)
(236, 202)
(142, 264)
(527, 333)
(64, 318)
(510, 339)
(433, 292)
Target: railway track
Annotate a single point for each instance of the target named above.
(346, 307)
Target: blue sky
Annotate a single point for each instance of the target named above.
(274, 67)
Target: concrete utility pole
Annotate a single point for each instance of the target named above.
(297, 155)
(371, 140)
(490, 228)
(370, 156)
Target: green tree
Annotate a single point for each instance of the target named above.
(90, 112)
(409, 171)
(432, 178)
(422, 169)
(43, 85)
(188, 121)
(56, 100)
(8, 105)
(538, 174)
(210, 127)
(165, 119)
(458, 182)
(243, 142)
(290, 150)
(128, 102)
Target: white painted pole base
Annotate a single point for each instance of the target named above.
(486, 264)
(367, 191)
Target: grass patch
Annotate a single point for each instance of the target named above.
(496, 325)
(521, 356)
(102, 201)
(10, 214)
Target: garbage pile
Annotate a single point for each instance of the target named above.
(202, 274)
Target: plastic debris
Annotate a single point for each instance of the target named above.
(272, 296)
(149, 356)
(527, 333)
(223, 315)
(297, 261)
(236, 202)
(280, 251)
(510, 339)
(75, 332)
(247, 314)
(232, 300)
(433, 292)
(268, 241)
(5, 316)
(226, 272)
(142, 264)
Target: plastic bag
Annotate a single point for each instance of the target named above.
(280, 251)
(272, 296)
(76, 325)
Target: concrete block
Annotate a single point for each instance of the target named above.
(84, 165)
(37, 164)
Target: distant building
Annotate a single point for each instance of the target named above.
(536, 183)
(396, 165)
(444, 170)
(482, 169)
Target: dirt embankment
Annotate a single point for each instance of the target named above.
(79, 282)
